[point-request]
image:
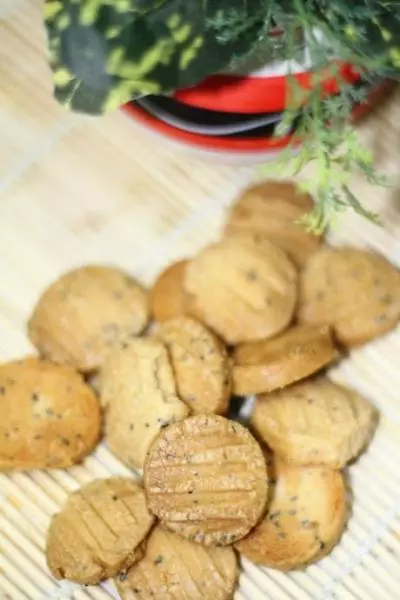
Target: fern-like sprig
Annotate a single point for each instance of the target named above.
(323, 124)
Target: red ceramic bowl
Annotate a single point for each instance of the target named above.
(263, 91)
(255, 147)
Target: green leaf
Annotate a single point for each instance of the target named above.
(105, 52)
(368, 29)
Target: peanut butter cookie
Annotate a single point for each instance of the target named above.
(99, 532)
(175, 569)
(272, 210)
(305, 519)
(206, 479)
(268, 365)
(315, 423)
(355, 291)
(201, 365)
(49, 417)
(85, 313)
(139, 395)
(242, 289)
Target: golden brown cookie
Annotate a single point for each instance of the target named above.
(272, 210)
(355, 291)
(139, 395)
(175, 569)
(206, 479)
(316, 422)
(168, 298)
(242, 289)
(201, 365)
(49, 417)
(268, 365)
(306, 517)
(85, 313)
(99, 532)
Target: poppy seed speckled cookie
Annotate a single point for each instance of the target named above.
(201, 365)
(242, 289)
(86, 313)
(272, 210)
(99, 532)
(206, 479)
(138, 392)
(355, 291)
(168, 298)
(316, 422)
(49, 417)
(267, 365)
(306, 516)
(173, 568)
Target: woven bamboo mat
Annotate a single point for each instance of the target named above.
(75, 190)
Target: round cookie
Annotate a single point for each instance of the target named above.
(85, 313)
(99, 532)
(201, 365)
(168, 298)
(316, 422)
(355, 291)
(139, 395)
(305, 519)
(242, 289)
(272, 210)
(268, 365)
(174, 569)
(49, 417)
(206, 479)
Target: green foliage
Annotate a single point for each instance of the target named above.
(366, 31)
(105, 52)
(332, 146)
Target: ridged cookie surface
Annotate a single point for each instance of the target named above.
(355, 291)
(139, 395)
(272, 210)
(49, 417)
(306, 517)
(99, 532)
(242, 289)
(315, 423)
(174, 569)
(206, 479)
(85, 313)
(268, 365)
(201, 365)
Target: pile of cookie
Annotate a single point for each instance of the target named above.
(259, 313)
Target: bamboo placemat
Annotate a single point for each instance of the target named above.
(75, 190)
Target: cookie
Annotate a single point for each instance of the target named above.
(316, 422)
(139, 395)
(85, 313)
(201, 365)
(175, 569)
(242, 289)
(168, 298)
(206, 479)
(99, 532)
(268, 365)
(272, 210)
(306, 517)
(355, 291)
(49, 417)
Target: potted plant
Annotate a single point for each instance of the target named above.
(104, 53)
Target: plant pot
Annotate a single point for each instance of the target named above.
(235, 114)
